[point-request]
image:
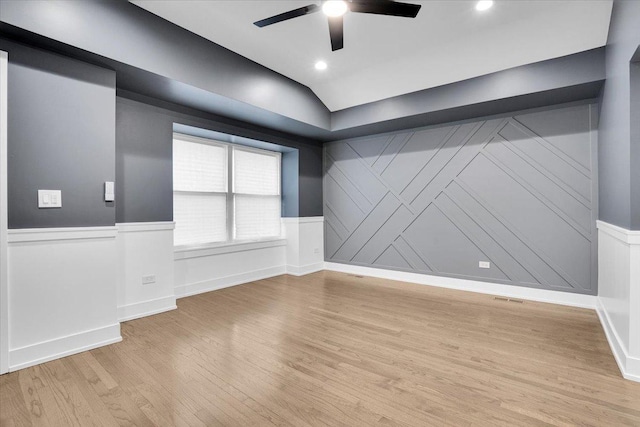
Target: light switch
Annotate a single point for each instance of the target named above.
(49, 199)
(109, 191)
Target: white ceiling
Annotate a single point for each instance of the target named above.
(387, 56)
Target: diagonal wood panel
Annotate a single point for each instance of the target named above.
(515, 191)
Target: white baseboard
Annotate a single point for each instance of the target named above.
(146, 308)
(35, 354)
(619, 294)
(629, 366)
(295, 270)
(540, 295)
(228, 281)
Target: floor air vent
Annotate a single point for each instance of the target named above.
(519, 301)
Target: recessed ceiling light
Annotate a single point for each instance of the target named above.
(334, 7)
(321, 65)
(483, 5)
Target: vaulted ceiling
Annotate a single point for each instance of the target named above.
(385, 56)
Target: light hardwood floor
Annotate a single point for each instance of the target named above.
(335, 349)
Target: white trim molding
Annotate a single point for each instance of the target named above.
(532, 294)
(303, 270)
(146, 308)
(4, 275)
(31, 235)
(303, 219)
(41, 352)
(186, 252)
(629, 366)
(619, 294)
(136, 227)
(630, 237)
(228, 281)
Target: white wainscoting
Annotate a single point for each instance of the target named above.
(4, 278)
(510, 291)
(216, 267)
(145, 249)
(619, 294)
(305, 244)
(62, 292)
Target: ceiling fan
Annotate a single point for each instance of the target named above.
(335, 10)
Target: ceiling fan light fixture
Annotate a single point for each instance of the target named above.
(483, 5)
(334, 8)
(321, 65)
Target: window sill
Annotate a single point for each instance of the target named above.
(186, 252)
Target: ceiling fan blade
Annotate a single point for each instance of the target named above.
(387, 7)
(312, 8)
(336, 33)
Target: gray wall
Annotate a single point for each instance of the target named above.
(518, 191)
(554, 81)
(149, 57)
(143, 159)
(61, 136)
(123, 32)
(618, 155)
(144, 172)
(635, 144)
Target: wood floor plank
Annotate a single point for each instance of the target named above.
(332, 349)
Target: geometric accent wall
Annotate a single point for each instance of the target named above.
(518, 192)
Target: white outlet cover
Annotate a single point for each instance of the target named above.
(484, 264)
(146, 280)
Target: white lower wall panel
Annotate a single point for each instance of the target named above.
(62, 292)
(619, 294)
(145, 249)
(305, 244)
(208, 270)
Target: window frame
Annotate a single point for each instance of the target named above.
(230, 149)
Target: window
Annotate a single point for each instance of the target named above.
(223, 192)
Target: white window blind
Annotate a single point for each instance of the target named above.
(199, 218)
(256, 188)
(256, 172)
(199, 167)
(223, 192)
(199, 192)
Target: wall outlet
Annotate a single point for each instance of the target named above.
(147, 280)
(484, 264)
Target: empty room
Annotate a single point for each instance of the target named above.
(319, 213)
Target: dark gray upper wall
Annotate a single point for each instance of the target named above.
(635, 144)
(125, 33)
(61, 136)
(616, 155)
(568, 71)
(144, 171)
(148, 55)
(144, 151)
